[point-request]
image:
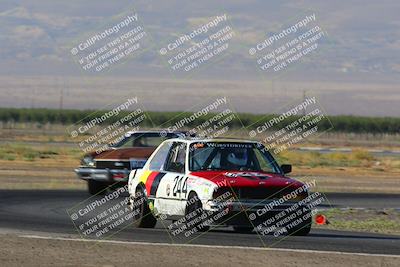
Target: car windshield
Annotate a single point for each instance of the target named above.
(231, 156)
(143, 140)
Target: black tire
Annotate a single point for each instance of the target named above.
(194, 204)
(303, 229)
(143, 216)
(95, 187)
(243, 229)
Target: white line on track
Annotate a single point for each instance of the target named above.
(209, 246)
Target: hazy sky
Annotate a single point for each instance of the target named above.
(344, 52)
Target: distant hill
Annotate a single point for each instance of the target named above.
(355, 69)
(363, 36)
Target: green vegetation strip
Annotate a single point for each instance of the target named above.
(354, 124)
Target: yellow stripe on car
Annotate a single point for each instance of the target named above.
(144, 176)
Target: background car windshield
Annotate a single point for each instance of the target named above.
(143, 140)
(231, 156)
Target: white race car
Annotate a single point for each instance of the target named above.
(237, 178)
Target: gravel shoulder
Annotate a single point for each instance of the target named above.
(26, 251)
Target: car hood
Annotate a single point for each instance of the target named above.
(247, 179)
(124, 153)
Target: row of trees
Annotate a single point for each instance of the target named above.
(354, 124)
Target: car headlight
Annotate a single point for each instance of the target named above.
(88, 161)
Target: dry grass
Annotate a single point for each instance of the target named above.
(51, 167)
(22, 152)
(358, 158)
(368, 220)
(33, 158)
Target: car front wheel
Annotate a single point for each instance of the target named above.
(194, 207)
(243, 229)
(303, 229)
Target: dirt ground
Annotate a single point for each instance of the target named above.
(24, 251)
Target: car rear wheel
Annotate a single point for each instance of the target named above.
(142, 214)
(95, 187)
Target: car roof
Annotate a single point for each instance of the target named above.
(211, 140)
(154, 131)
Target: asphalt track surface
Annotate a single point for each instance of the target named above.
(45, 212)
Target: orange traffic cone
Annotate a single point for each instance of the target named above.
(321, 219)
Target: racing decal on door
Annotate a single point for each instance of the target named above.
(155, 183)
(151, 180)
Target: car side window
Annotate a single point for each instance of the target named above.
(156, 164)
(176, 158)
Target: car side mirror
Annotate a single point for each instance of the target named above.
(286, 168)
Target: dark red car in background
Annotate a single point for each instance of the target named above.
(112, 166)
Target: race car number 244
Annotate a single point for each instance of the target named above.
(180, 186)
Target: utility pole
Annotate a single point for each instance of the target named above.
(33, 95)
(61, 95)
(61, 98)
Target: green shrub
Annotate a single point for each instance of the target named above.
(354, 124)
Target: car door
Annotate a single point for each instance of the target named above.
(172, 189)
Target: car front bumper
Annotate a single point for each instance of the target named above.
(252, 212)
(103, 175)
(251, 205)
